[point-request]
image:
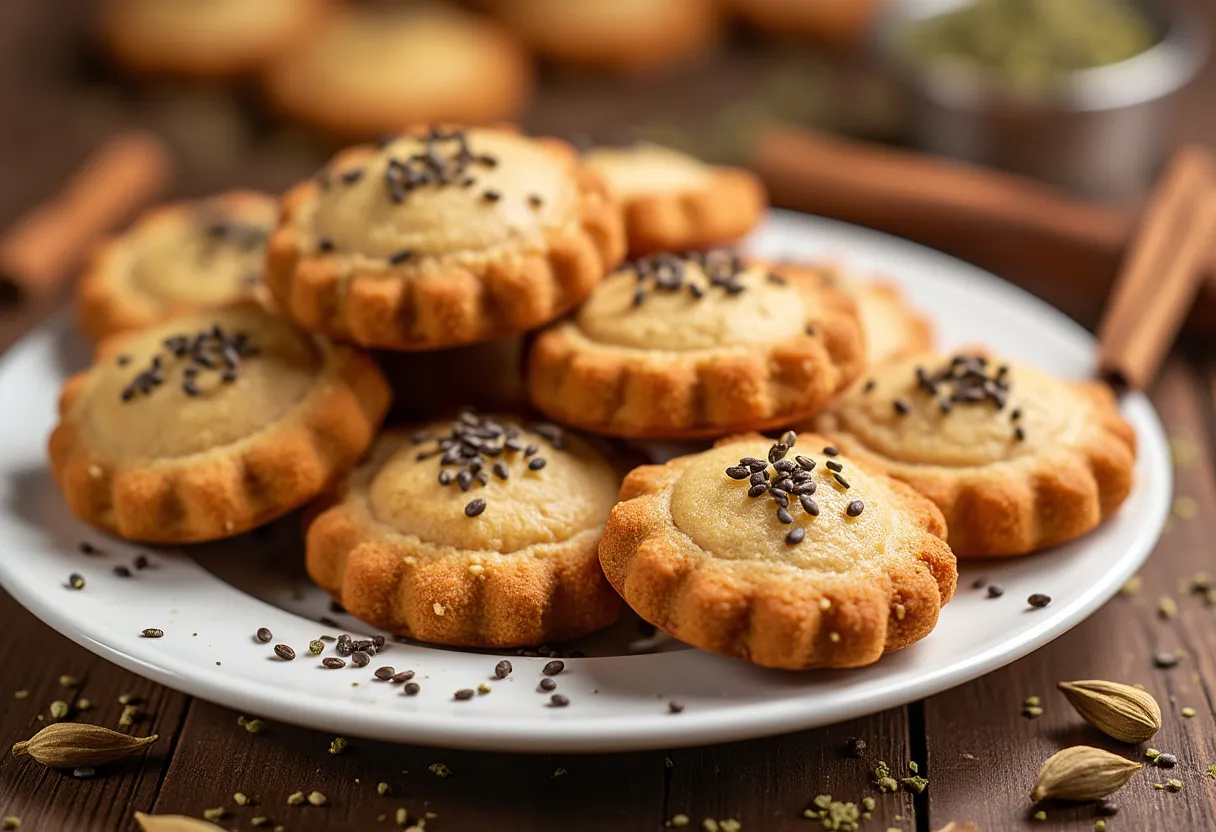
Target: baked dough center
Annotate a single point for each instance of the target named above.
(648, 169)
(971, 433)
(674, 319)
(716, 512)
(507, 196)
(204, 262)
(166, 422)
(572, 493)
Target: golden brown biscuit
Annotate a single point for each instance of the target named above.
(674, 202)
(178, 259)
(443, 238)
(620, 36)
(379, 69)
(791, 557)
(479, 532)
(696, 345)
(842, 22)
(209, 425)
(205, 38)
(1016, 459)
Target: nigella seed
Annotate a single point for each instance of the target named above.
(757, 490)
(537, 463)
(559, 701)
(809, 505)
(411, 688)
(445, 477)
(385, 673)
(325, 244)
(554, 668)
(333, 663)
(995, 590)
(855, 508)
(399, 257)
(500, 470)
(901, 407)
(1039, 600)
(403, 676)
(122, 571)
(503, 669)
(675, 707)
(759, 477)
(830, 450)
(1015, 414)
(833, 465)
(535, 200)
(869, 385)
(738, 472)
(1019, 433)
(795, 536)
(843, 482)
(805, 463)
(784, 516)
(753, 463)
(778, 451)
(548, 684)
(465, 480)
(475, 507)
(284, 652)
(465, 693)
(789, 439)
(352, 176)
(264, 635)
(153, 632)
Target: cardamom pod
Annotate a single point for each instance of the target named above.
(72, 744)
(1082, 773)
(1121, 711)
(173, 823)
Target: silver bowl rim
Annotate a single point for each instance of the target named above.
(1152, 74)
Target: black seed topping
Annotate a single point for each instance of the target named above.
(778, 451)
(775, 279)
(403, 676)
(352, 176)
(445, 477)
(833, 465)
(1019, 433)
(500, 470)
(536, 463)
(399, 257)
(535, 200)
(675, 707)
(548, 684)
(475, 507)
(206, 351)
(385, 673)
(465, 693)
(333, 663)
(264, 635)
(152, 632)
(809, 505)
(554, 668)
(1038, 599)
(491, 196)
(869, 385)
(76, 581)
(830, 450)
(503, 669)
(738, 472)
(805, 463)
(784, 516)
(841, 480)
(795, 536)
(757, 490)
(325, 244)
(411, 688)
(995, 590)
(559, 701)
(360, 659)
(669, 273)
(284, 652)
(855, 508)
(901, 407)
(122, 571)
(123, 360)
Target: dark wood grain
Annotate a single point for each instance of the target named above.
(984, 756)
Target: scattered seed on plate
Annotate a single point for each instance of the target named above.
(360, 658)
(503, 669)
(547, 684)
(152, 632)
(411, 688)
(403, 676)
(76, 581)
(264, 635)
(333, 663)
(553, 668)
(316, 647)
(557, 700)
(675, 707)
(338, 745)
(1039, 600)
(284, 652)
(995, 590)
(465, 693)
(122, 571)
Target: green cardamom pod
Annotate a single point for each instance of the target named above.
(1082, 773)
(71, 744)
(1121, 711)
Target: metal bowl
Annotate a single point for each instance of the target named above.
(1101, 132)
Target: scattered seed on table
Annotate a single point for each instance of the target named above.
(76, 581)
(296, 799)
(1166, 760)
(316, 799)
(854, 747)
(338, 745)
(558, 701)
(1165, 660)
(675, 707)
(465, 693)
(264, 635)
(483, 688)
(59, 709)
(333, 663)
(1188, 713)
(316, 647)
(547, 684)
(360, 658)
(411, 688)
(1039, 600)
(284, 652)
(122, 571)
(995, 590)
(503, 669)
(152, 632)
(382, 789)
(84, 772)
(385, 673)
(554, 668)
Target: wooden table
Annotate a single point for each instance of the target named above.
(979, 753)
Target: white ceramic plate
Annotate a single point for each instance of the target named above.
(210, 600)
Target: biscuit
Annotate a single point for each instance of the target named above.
(479, 532)
(442, 238)
(787, 555)
(177, 259)
(1016, 459)
(696, 345)
(208, 425)
(674, 202)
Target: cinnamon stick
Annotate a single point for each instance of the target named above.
(38, 253)
(1163, 271)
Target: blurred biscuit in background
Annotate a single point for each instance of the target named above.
(619, 36)
(216, 39)
(839, 22)
(376, 69)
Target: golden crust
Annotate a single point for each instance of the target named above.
(109, 300)
(138, 36)
(229, 489)
(489, 80)
(633, 38)
(619, 391)
(727, 208)
(1061, 488)
(404, 308)
(547, 590)
(772, 613)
